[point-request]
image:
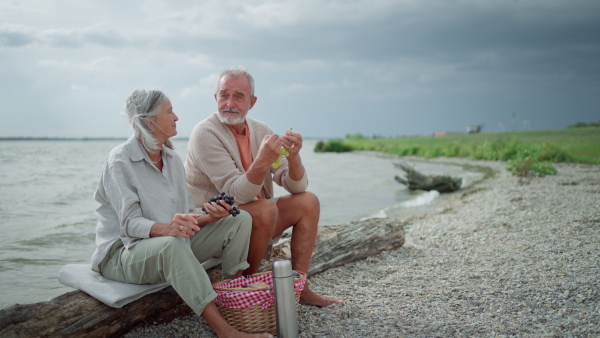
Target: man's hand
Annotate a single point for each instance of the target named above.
(268, 151)
(292, 142)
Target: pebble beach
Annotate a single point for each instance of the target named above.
(504, 256)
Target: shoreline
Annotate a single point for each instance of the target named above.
(505, 256)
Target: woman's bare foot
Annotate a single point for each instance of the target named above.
(250, 335)
(222, 328)
(309, 297)
(237, 334)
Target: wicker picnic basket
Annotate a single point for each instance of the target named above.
(248, 304)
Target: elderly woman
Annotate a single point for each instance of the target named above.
(145, 232)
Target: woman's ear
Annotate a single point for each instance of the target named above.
(149, 122)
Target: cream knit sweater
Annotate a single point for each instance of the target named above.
(213, 164)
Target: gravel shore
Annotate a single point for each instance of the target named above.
(502, 257)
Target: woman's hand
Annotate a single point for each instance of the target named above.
(182, 225)
(216, 211)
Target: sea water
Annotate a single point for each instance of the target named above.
(47, 206)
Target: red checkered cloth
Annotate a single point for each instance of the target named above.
(244, 299)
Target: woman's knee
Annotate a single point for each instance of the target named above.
(170, 245)
(245, 222)
(166, 241)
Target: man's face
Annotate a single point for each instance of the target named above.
(234, 99)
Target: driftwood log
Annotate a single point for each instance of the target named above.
(418, 181)
(77, 314)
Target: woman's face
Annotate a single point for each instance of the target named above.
(165, 125)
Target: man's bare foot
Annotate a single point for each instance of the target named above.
(309, 297)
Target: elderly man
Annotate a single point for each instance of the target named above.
(231, 153)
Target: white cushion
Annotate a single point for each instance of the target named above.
(110, 292)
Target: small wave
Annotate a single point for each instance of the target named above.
(379, 214)
(425, 199)
(19, 261)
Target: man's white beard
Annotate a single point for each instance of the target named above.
(232, 122)
(238, 120)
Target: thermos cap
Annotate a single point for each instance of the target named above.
(282, 268)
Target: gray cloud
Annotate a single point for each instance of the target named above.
(100, 35)
(387, 67)
(15, 36)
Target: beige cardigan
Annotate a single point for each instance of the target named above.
(214, 165)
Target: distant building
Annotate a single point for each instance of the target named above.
(475, 128)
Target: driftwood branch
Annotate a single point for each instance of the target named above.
(77, 314)
(339, 245)
(418, 181)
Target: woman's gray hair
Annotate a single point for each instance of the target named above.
(235, 71)
(140, 104)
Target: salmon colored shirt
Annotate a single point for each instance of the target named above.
(243, 143)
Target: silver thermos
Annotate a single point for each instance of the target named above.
(285, 301)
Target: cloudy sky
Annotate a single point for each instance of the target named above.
(325, 68)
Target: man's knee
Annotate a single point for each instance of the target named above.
(311, 199)
(263, 212)
(306, 202)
